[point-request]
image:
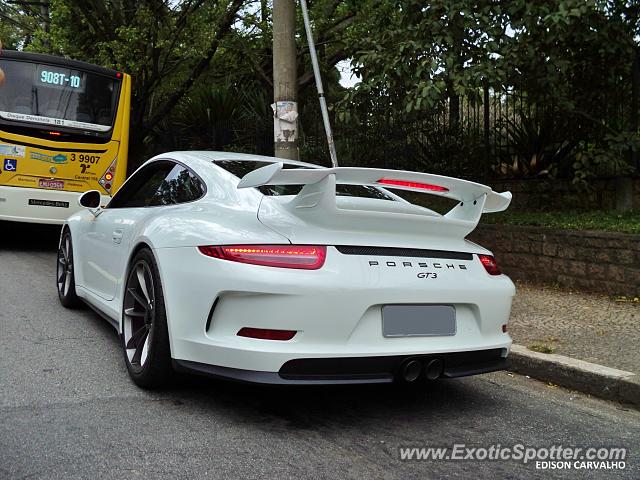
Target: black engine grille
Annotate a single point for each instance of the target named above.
(402, 252)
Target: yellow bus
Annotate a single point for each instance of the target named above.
(64, 129)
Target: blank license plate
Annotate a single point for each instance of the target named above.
(418, 320)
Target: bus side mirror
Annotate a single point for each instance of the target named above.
(90, 199)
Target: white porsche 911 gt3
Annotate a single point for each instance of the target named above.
(262, 270)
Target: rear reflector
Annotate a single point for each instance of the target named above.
(421, 186)
(306, 257)
(490, 264)
(266, 334)
(504, 328)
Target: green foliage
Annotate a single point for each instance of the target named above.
(572, 53)
(570, 58)
(606, 160)
(204, 118)
(168, 47)
(164, 46)
(607, 220)
(445, 149)
(420, 53)
(537, 146)
(17, 24)
(217, 116)
(202, 73)
(541, 348)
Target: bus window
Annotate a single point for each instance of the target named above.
(61, 97)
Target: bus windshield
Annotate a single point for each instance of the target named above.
(56, 96)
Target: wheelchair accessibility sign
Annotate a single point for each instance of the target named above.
(10, 165)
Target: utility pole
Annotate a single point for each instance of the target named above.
(285, 80)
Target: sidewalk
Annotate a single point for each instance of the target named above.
(583, 326)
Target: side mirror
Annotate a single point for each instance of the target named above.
(90, 199)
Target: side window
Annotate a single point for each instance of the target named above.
(179, 186)
(160, 183)
(142, 186)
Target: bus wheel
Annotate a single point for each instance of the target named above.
(64, 273)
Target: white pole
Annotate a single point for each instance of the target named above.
(316, 73)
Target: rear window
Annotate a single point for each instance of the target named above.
(241, 168)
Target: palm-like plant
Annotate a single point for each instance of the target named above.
(206, 117)
(533, 146)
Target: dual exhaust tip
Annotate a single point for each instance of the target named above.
(411, 369)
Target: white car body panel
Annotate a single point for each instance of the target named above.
(336, 310)
(347, 325)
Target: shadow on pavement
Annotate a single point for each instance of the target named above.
(314, 407)
(29, 236)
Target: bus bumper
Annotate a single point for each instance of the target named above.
(33, 205)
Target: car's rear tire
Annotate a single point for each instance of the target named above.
(145, 336)
(65, 278)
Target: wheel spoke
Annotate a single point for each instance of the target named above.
(138, 314)
(143, 282)
(137, 355)
(61, 276)
(67, 284)
(137, 339)
(138, 298)
(67, 248)
(145, 349)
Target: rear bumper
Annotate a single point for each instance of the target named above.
(336, 311)
(15, 207)
(352, 370)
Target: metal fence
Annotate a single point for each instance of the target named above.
(492, 131)
(480, 136)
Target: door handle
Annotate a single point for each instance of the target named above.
(117, 235)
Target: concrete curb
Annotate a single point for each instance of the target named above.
(591, 378)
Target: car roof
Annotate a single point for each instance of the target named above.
(200, 158)
(202, 161)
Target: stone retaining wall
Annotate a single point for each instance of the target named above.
(604, 262)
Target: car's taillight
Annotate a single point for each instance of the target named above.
(306, 257)
(266, 333)
(490, 264)
(418, 185)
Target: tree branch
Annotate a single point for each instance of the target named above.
(265, 78)
(306, 78)
(223, 28)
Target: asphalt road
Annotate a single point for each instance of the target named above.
(68, 409)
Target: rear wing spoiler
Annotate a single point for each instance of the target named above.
(319, 187)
